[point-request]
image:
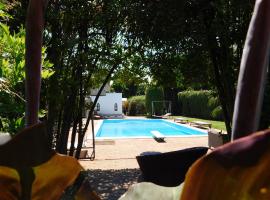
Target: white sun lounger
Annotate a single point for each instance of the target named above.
(157, 135)
(202, 124)
(181, 120)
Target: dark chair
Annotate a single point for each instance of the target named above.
(168, 169)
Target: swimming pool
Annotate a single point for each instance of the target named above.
(141, 128)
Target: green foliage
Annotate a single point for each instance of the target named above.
(3, 13)
(86, 41)
(208, 37)
(130, 81)
(153, 93)
(171, 42)
(12, 56)
(202, 104)
(12, 79)
(136, 105)
(128, 89)
(217, 113)
(12, 76)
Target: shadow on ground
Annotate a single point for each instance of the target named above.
(111, 184)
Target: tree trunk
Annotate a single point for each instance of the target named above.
(171, 94)
(81, 105)
(219, 57)
(221, 94)
(53, 112)
(90, 114)
(66, 122)
(54, 56)
(73, 136)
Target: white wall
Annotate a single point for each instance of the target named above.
(107, 104)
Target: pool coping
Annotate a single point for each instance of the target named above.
(98, 125)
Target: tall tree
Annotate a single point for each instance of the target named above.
(81, 46)
(214, 29)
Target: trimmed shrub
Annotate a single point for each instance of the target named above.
(201, 104)
(136, 105)
(153, 94)
(217, 113)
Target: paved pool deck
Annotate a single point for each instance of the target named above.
(115, 167)
(121, 153)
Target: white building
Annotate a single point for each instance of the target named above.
(109, 104)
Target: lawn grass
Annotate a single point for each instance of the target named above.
(215, 124)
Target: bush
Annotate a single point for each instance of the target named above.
(153, 94)
(201, 104)
(12, 78)
(136, 105)
(217, 113)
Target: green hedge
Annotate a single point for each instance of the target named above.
(136, 105)
(201, 104)
(153, 94)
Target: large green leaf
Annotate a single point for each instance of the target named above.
(4, 28)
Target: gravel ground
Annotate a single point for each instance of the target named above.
(111, 184)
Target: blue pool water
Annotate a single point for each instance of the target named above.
(136, 128)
